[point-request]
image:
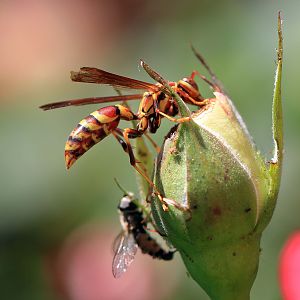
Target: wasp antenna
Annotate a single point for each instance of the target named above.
(153, 74)
(141, 62)
(157, 77)
(204, 63)
(213, 76)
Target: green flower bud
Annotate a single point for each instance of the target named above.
(211, 167)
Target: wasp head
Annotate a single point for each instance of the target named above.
(189, 86)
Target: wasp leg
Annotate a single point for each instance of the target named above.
(176, 120)
(214, 78)
(129, 133)
(120, 141)
(183, 208)
(183, 94)
(156, 147)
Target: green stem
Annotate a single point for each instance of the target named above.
(277, 123)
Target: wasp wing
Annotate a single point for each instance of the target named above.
(93, 100)
(94, 75)
(124, 255)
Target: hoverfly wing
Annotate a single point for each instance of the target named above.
(94, 75)
(124, 255)
(92, 100)
(117, 242)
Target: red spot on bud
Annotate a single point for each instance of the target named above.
(217, 211)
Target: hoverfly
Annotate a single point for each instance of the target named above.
(155, 104)
(134, 236)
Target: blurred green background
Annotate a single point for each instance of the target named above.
(41, 203)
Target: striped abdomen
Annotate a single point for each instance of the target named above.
(149, 246)
(90, 131)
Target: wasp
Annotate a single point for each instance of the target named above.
(134, 236)
(155, 104)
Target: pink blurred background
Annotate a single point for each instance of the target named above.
(40, 39)
(81, 270)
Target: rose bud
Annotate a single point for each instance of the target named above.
(225, 191)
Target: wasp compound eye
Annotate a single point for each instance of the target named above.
(191, 82)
